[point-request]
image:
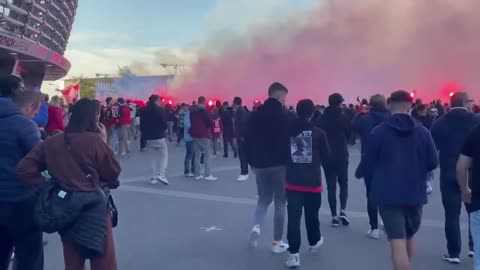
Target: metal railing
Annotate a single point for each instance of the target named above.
(45, 22)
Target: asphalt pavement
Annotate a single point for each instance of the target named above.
(204, 225)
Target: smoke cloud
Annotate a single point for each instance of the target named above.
(356, 48)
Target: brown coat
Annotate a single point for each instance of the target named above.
(52, 155)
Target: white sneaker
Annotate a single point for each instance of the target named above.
(374, 234)
(279, 247)
(471, 254)
(200, 177)
(211, 178)
(162, 179)
(189, 175)
(242, 178)
(429, 188)
(153, 181)
(293, 261)
(317, 246)
(254, 235)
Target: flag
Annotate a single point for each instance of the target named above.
(71, 93)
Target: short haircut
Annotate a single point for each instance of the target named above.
(459, 99)
(350, 106)
(401, 96)
(108, 100)
(121, 100)
(277, 87)
(24, 98)
(378, 102)
(418, 101)
(237, 101)
(305, 108)
(153, 98)
(202, 100)
(335, 100)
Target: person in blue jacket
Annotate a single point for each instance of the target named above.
(400, 154)
(18, 135)
(363, 124)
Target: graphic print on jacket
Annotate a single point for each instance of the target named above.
(301, 148)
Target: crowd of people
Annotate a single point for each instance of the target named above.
(77, 148)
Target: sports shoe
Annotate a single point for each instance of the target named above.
(471, 254)
(451, 260)
(189, 175)
(242, 178)
(162, 179)
(279, 247)
(335, 222)
(429, 188)
(374, 234)
(317, 246)
(211, 178)
(344, 219)
(200, 177)
(153, 181)
(254, 235)
(293, 261)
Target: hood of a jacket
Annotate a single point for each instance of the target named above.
(458, 114)
(402, 123)
(8, 108)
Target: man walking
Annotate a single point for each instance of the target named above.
(400, 154)
(124, 126)
(18, 136)
(267, 148)
(450, 133)
(226, 116)
(241, 120)
(200, 126)
(336, 125)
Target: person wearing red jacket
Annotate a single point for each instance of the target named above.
(55, 116)
(124, 125)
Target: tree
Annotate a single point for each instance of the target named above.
(124, 71)
(88, 86)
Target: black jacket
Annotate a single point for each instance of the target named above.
(226, 117)
(241, 121)
(266, 138)
(336, 125)
(153, 122)
(449, 133)
(308, 151)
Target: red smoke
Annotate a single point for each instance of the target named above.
(356, 48)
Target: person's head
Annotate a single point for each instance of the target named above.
(225, 104)
(237, 102)
(322, 108)
(335, 100)
(364, 101)
(55, 101)
(433, 112)
(461, 100)
(155, 100)
(418, 102)
(305, 108)
(278, 91)
(109, 100)
(29, 102)
(344, 106)
(215, 111)
(438, 102)
(400, 102)
(422, 110)
(218, 104)
(9, 85)
(194, 103)
(121, 101)
(202, 101)
(378, 102)
(84, 117)
(350, 106)
(129, 101)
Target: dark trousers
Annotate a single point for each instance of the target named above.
(180, 134)
(297, 202)
(189, 165)
(337, 172)
(18, 231)
(143, 142)
(242, 156)
(228, 140)
(372, 207)
(452, 204)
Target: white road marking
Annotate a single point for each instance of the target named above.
(211, 229)
(430, 223)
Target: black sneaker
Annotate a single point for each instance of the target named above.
(225, 156)
(344, 219)
(335, 222)
(452, 260)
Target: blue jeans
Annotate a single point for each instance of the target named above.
(170, 125)
(189, 165)
(475, 228)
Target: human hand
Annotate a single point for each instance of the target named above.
(467, 196)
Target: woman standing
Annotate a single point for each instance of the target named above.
(55, 116)
(69, 158)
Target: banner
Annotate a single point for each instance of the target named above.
(71, 93)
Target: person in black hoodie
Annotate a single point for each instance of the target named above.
(450, 132)
(309, 150)
(226, 116)
(266, 147)
(336, 125)
(241, 120)
(153, 125)
(363, 124)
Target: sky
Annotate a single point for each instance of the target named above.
(146, 33)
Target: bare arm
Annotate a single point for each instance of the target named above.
(463, 165)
